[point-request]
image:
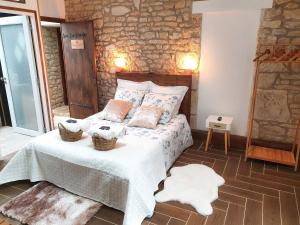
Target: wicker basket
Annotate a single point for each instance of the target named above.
(67, 135)
(103, 144)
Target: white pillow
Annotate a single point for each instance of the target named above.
(166, 102)
(140, 86)
(170, 90)
(130, 95)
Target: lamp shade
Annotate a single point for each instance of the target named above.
(187, 61)
(120, 62)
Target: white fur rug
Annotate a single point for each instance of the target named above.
(194, 184)
(46, 204)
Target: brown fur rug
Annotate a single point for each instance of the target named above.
(46, 204)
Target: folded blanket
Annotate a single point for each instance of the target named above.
(108, 132)
(75, 125)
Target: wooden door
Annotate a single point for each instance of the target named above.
(79, 60)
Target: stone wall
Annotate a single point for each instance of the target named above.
(148, 33)
(53, 66)
(278, 99)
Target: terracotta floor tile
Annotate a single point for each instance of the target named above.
(196, 219)
(249, 197)
(289, 211)
(217, 218)
(235, 215)
(253, 213)
(271, 209)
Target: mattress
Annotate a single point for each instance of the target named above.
(174, 137)
(124, 178)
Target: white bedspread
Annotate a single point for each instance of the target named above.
(124, 178)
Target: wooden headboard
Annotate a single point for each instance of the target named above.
(164, 80)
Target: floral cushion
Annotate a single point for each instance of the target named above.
(170, 90)
(115, 110)
(166, 102)
(133, 96)
(146, 116)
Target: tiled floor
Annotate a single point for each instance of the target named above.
(61, 111)
(255, 193)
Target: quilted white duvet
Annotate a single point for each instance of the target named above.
(124, 178)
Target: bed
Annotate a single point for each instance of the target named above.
(124, 178)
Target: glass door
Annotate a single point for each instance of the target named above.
(20, 75)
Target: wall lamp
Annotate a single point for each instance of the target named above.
(188, 62)
(120, 63)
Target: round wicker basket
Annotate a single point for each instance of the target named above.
(102, 144)
(67, 135)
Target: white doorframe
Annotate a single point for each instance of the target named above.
(24, 21)
(40, 61)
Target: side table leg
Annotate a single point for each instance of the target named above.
(208, 138)
(226, 142)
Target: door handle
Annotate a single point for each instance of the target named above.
(3, 79)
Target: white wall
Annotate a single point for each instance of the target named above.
(52, 8)
(30, 4)
(49, 8)
(223, 5)
(228, 47)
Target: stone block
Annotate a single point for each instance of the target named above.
(292, 5)
(148, 35)
(132, 19)
(295, 33)
(255, 129)
(119, 10)
(266, 80)
(290, 76)
(284, 41)
(293, 14)
(143, 19)
(179, 4)
(164, 35)
(280, 31)
(170, 18)
(296, 41)
(137, 3)
(272, 132)
(279, 2)
(271, 24)
(272, 105)
(292, 24)
(295, 67)
(271, 13)
(267, 39)
(273, 67)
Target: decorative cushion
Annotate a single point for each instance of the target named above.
(146, 116)
(170, 90)
(132, 85)
(133, 96)
(166, 102)
(115, 110)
